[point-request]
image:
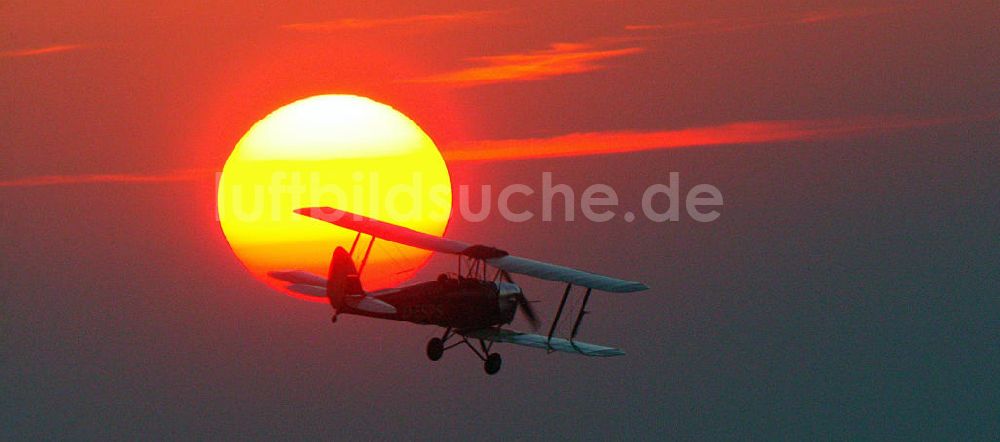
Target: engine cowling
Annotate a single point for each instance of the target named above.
(507, 296)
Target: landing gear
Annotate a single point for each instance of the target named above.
(435, 349)
(333, 319)
(437, 346)
(492, 364)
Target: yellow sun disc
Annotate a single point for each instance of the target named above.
(342, 151)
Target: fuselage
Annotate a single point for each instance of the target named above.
(459, 303)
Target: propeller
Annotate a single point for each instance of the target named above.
(527, 310)
(522, 302)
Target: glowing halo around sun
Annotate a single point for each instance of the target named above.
(342, 151)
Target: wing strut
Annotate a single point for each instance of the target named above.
(579, 317)
(368, 251)
(576, 324)
(552, 329)
(354, 244)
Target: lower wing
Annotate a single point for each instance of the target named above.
(539, 341)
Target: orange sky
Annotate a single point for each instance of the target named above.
(152, 90)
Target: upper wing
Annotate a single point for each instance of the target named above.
(382, 230)
(552, 272)
(539, 341)
(495, 257)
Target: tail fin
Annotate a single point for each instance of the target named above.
(343, 279)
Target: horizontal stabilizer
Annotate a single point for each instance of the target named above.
(370, 304)
(539, 341)
(300, 277)
(308, 290)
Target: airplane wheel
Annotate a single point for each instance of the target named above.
(492, 365)
(333, 319)
(435, 348)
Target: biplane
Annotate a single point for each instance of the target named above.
(472, 305)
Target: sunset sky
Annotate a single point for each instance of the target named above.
(848, 289)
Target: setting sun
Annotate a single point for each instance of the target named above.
(342, 151)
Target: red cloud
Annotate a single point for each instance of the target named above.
(558, 59)
(369, 23)
(51, 180)
(723, 25)
(751, 132)
(40, 51)
(588, 143)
